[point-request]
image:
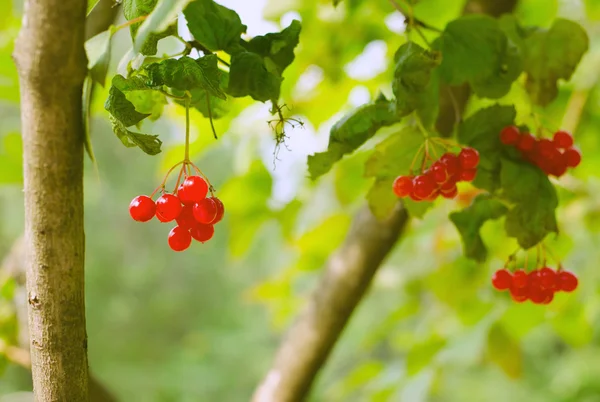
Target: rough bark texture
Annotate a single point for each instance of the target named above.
(347, 276)
(51, 61)
(13, 266)
(349, 272)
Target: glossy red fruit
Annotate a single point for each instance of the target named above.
(186, 217)
(179, 238)
(423, 186)
(168, 206)
(559, 166)
(549, 296)
(520, 279)
(509, 135)
(142, 208)
(160, 218)
(202, 233)
(436, 193)
(567, 281)
(573, 157)
(184, 196)
(220, 210)
(548, 278)
(403, 186)
(468, 175)
(546, 149)
(534, 279)
(526, 142)
(451, 163)
(519, 294)
(194, 189)
(438, 172)
(536, 294)
(468, 158)
(205, 211)
(502, 279)
(563, 139)
(450, 194)
(414, 197)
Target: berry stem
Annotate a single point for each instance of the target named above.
(412, 164)
(128, 23)
(181, 172)
(162, 184)
(187, 128)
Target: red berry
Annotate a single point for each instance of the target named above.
(203, 233)
(423, 186)
(403, 185)
(534, 279)
(450, 194)
(548, 278)
(468, 175)
(502, 279)
(546, 149)
(518, 294)
(468, 158)
(559, 165)
(194, 189)
(160, 218)
(567, 281)
(509, 135)
(142, 208)
(205, 211)
(220, 210)
(414, 197)
(179, 238)
(536, 294)
(184, 195)
(573, 157)
(436, 193)
(526, 142)
(168, 206)
(549, 296)
(186, 217)
(563, 139)
(438, 172)
(520, 279)
(451, 162)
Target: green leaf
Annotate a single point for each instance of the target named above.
(137, 8)
(185, 74)
(416, 209)
(533, 215)
(277, 49)
(552, 55)
(249, 76)
(90, 5)
(121, 108)
(469, 221)
(394, 155)
(160, 20)
(214, 26)
(415, 86)
(150, 144)
(147, 102)
(97, 49)
(381, 198)
(200, 99)
(505, 351)
(482, 132)
(351, 132)
(477, 51)
(421, 354)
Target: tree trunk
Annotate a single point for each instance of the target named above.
(51, 62)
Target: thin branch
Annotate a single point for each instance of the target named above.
(199, 46)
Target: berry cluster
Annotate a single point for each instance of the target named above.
(440, 178)
(538, 286)
(189, 206)
(553, 156)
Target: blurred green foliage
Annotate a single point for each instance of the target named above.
(203, 325)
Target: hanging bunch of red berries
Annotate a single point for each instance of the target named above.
(553, 156)
(538, 286)
(440, 178)
(189, 205)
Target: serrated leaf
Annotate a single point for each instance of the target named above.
(248, 76)
(138, 8)
(482, 132)
(421, 354)
(533, 215)
(276, 48)
(475, 50)
(415, 85)
(147, 102)
(185, 74)
(121, 108)
(552, 55)
(159, 20)
(505, 351)
(97, 49)
(351, 132)
(150, 144)
(214, 26)
(469, 221)
(200, 99)
(394, 155)
(381, 198)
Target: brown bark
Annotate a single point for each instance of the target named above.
(347, 276)
(51, 62)
(349, 272)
